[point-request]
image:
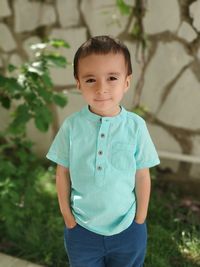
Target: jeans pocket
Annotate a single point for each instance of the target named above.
(73, 228)
(139, 224)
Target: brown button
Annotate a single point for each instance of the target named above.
(102, 135)
(100, 152)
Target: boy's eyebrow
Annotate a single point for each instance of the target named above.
(114, 73)
(92, 75)
(87, 76)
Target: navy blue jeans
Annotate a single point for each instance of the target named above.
(88, 249)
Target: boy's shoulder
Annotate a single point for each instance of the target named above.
(71, 118)
(135, 118)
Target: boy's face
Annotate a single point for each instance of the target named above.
(102, 80)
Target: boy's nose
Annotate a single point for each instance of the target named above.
(101, 88)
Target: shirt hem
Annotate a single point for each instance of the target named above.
(56, 160)
(148, 165)
(99, 232)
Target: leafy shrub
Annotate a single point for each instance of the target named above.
(32, 87)
(29, 222)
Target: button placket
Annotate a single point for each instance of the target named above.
(101, 152)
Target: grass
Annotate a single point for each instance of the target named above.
(173, 227)
(35, 232)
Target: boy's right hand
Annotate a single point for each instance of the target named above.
(70, 222)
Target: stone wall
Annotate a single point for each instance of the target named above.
(170, 72)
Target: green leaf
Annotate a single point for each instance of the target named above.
(56, 60)
(123, 7)
(31, 79)
(60, 99)
(15, 129)
(21, 117)
(11, 67)
(59, 43)
(3, 81)
(22, 114)
(5, 101)
(13, 85)
(44, 93)
(31, 97)
(9, 84)
(47, 80)
(17, 96)
(43, 118)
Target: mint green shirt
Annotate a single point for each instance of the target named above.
(103, 154)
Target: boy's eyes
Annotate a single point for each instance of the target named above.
(90, 80)
(111, 78)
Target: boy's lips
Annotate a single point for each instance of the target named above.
(102, 99)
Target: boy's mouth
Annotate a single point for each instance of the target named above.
(102, 99)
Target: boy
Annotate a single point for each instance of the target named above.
(103, 154)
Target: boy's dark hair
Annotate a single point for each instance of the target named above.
(102, 45)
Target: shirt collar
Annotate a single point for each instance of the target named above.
(94, 117)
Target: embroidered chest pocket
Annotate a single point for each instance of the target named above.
(122, 156)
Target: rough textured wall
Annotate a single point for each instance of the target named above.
(170, 75)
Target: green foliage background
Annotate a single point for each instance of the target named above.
(29, 221)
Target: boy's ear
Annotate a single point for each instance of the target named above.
(78, 84)
(128, 82)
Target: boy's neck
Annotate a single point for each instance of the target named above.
(108, 114)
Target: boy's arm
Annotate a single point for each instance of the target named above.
(63, 185)
(142, 189)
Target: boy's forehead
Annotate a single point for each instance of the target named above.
(99, 56)
(113, 63)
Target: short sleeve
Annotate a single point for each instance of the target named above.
(60, 147)
(145, 154)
